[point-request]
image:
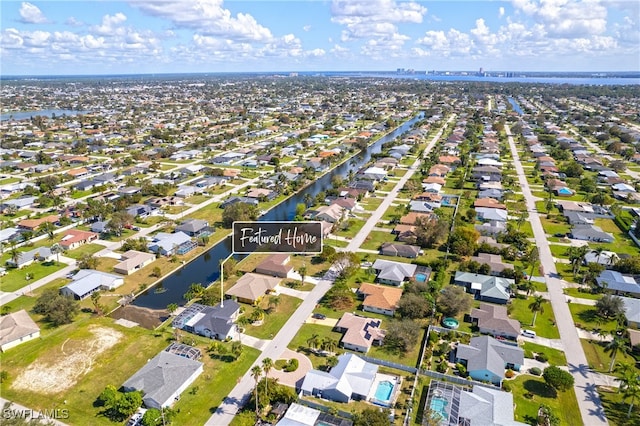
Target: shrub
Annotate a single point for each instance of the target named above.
(506, 386)
(535, 371)
(461, 369)
(542, 357)
(509, 374)
(292, 365)
(442, 367)
(528, 354)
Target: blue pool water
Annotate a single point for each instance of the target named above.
(439, 405)
(421, 278)
(384, 390)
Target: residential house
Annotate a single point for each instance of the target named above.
(170, 244)
(214, 322)
(142, 211)
(488, 203)
(251, 287)
(360, 333)
(261, 194)
(163, 379)
(332, 213)
(17, 328)
(87, 281)
(413, 217)
(487, 174)
(393, 273)
(380, 299)
(591, 233)
(493, 260)
(606, 258)
(617, 283)
(374, 173)
(235, 199)
(478, 405)
(34, 224)
(276, 265)
(99, 226)
(485, 287)
(186, 191)
(26, 258)
(74, 238)
(494, 320)
(400, 250)
(632, 311)
(487, 359)
(133, 261)
(194, 227)
(351, 379)
(406, 233)
(491, 214)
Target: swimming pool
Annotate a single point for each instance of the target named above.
(384, 391)
(439, 406)
(421, 278)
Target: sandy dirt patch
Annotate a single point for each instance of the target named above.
(145, 317)
(67, 364)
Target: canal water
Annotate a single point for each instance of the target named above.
(205, 269)
(515, 106)
(21, 115)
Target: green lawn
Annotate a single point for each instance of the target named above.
(545, 321)
(275, 318)
(299, 342)
(216, 382)
(335, 243)
(17, 278)
(563, 404)
(84, 250)
(576, 292)
(616, 409)
(370, 204)
(115, 365)
(554, 356)
(559, 251)
(586, 317)
(375, 239)
(598, 359)
(354, 226)
(553, 226)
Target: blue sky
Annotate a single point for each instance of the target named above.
(160, 36)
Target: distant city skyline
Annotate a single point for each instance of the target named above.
(177, 36)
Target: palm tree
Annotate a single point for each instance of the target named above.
(56, 249)
(532, 259)
(274, 301)
(614, 346)
(329, 344)
(629, 384)
(303, 272)
(267, 365)
(256, 372)
(313, 341)
(598, 251)
(535, 307)
(529, 287)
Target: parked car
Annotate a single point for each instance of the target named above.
(319, 316)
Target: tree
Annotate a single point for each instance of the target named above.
(313, 341)
(118, 222)
(547, 417)
(88, 261)
(156, 272)
(463, 241)
(274, 301)
(346, 263)
(453, 300)
(535, 307)
(47, 228)
(95, 299)
(402, 335)
(239, 212)
(56, 249)
(56, 308)
(609, 306)
(119, 405)
(236, 349)
(303, 272)
(371, 417)
(613, 346)
(629, 384)
(256, 372)
(267, 365)
(172, 307)
(413, 305)
(557, 378)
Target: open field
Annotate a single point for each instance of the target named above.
(531, 391)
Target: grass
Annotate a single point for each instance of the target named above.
(216, 382)
(563, 404)
(275, 318)
(598, 359)
(113, 366)
(375, 239)
(16, 279)
(545, 321)
(554, 356)
(354, 227)
(28, 300)
(552, 226)
(587, 317)
(299, 342)
(616, 409)
(579, 293)
(84, 250)
(371, 204)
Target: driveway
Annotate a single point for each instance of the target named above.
(293, 378)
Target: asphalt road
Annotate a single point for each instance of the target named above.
(585, 384)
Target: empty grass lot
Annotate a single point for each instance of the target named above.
(275, 318)
(598, 359)
(16, 279)
(587, 317)
(376, 238)
(563, 404)
(84, 250)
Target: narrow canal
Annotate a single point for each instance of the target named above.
(205, 269)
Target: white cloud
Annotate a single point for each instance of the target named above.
(501, 12)
(451, 43)
(31, 14)
(73, 22)
(110, 25)
(207, 17)
(307, 28)
(567, 18)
